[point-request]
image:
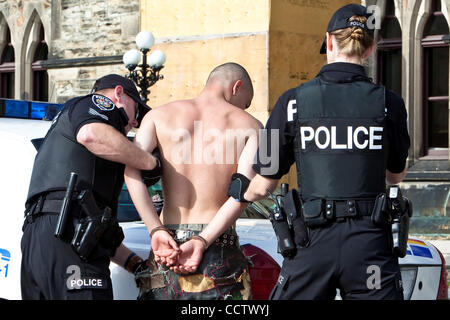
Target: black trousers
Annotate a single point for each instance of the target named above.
(51, 270)
(353, 256)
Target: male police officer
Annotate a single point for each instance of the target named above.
(88, 137)
(348, 137)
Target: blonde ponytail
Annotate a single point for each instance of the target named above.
(353, 41)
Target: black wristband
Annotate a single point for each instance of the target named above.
(238, 186)
(150, 177)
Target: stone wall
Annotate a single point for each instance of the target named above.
(86, 39)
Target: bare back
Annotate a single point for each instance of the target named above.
(200, 142)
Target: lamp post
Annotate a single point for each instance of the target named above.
(146, 74)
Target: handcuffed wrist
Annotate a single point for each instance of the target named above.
(158, 228)
(203, 240)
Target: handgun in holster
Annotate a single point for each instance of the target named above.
(279, 220)
(392, 207)
(91, 229)
(400, 209)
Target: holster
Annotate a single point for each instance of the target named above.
(292, 206)
(400, 230)
(96, 227)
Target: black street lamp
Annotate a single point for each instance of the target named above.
(146, 74)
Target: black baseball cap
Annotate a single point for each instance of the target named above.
(113, 80)
(340, 18)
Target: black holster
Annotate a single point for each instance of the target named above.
(96, 227)
(296, 221)
(394, 209)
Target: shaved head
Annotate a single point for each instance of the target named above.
(230, 72)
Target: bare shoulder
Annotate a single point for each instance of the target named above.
(247, 120)
(169, 109)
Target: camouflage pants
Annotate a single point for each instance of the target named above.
(221, 275)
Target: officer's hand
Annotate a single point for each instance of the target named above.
(164, 248)
(190, 257)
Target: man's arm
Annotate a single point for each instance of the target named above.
(106, 142)
(163, 245)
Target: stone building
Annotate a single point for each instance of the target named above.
(54, 50)
(412, 58)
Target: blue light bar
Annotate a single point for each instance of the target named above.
(16, 108)
(28, 109)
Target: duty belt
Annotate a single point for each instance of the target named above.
(49, 203)
(348, 208)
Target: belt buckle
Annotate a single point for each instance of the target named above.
(183, 235)
(351, 208)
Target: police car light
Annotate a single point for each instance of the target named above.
(28, 109)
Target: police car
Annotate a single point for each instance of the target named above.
(423, 269)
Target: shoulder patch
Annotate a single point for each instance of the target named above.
(102, 102)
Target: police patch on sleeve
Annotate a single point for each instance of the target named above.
(102, 102)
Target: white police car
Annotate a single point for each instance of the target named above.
(423, 268)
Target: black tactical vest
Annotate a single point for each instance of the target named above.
(60, 154)
(340, 144)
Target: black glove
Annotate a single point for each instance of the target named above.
(238, 186)
(150, 177)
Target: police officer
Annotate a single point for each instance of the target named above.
(348, 138)
(87, 137)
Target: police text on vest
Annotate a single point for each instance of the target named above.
(360, 137)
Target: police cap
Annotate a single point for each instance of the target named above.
(113, 80)
(340, 20)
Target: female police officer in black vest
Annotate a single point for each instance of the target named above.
(348, 138)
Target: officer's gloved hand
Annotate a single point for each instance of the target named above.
(150, 177)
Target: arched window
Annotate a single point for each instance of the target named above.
(7, 66)
(39, 74)
(389, 46)
(435, 80)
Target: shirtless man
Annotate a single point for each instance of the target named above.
(203, 142)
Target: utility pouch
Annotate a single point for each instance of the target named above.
(379, 210)
(313, 212)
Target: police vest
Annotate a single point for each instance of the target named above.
(340, 143)
(60, 154)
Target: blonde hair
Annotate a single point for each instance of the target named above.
(353, 41)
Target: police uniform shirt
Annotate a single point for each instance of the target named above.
(96, 108)
(283, 119)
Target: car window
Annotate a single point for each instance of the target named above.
(126, 211)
